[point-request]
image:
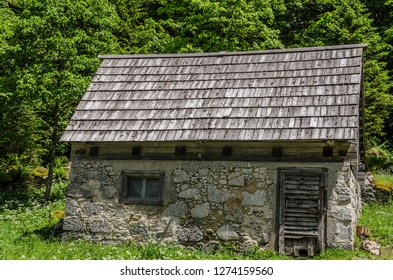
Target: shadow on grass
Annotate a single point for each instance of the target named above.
(47, 233)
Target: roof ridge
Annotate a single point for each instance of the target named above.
(227, 53)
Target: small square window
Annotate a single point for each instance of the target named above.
(142, 187)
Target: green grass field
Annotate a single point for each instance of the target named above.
(26, 233)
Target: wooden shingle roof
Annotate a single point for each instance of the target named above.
(289, 94)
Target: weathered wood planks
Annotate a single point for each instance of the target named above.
(294, 94)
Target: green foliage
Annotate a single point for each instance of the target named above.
(151, 251)
(30, 196)
(14, 171)
(379, 157)
(138, 31)
(48, 55)
(338, 22)
(54, 47)
(379, 12)
(343, 254)
(199, 25)
(62, 169)
(18, 136)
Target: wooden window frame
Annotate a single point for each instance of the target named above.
(127, 175)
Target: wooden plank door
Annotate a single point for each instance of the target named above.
(302, 212)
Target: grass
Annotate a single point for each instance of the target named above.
(26, 233)
(379, 218)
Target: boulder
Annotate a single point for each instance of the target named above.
(227, 232)
(190, 234)
(371, 246)
(201, 211)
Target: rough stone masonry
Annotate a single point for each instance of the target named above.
(203, 202)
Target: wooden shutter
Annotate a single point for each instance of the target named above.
(302, 211)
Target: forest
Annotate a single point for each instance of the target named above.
(49, 52)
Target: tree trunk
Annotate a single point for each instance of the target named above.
(52, 151)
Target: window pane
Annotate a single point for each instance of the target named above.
(152, 187)
(135, 187)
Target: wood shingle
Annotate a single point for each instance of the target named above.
(292, 94)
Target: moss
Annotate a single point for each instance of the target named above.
(384, 182)
(57, 215)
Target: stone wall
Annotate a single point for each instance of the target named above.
(223, 203)
(203, 202)
(344, 209)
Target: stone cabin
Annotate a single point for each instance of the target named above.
(259, 148)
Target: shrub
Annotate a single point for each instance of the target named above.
(14, 172)
(379, 157)
(62, 169)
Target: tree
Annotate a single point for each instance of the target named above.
(211, 26)
(379, 12)
(17, 126)
(139, 31)
(388, 37)
(51, 57)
